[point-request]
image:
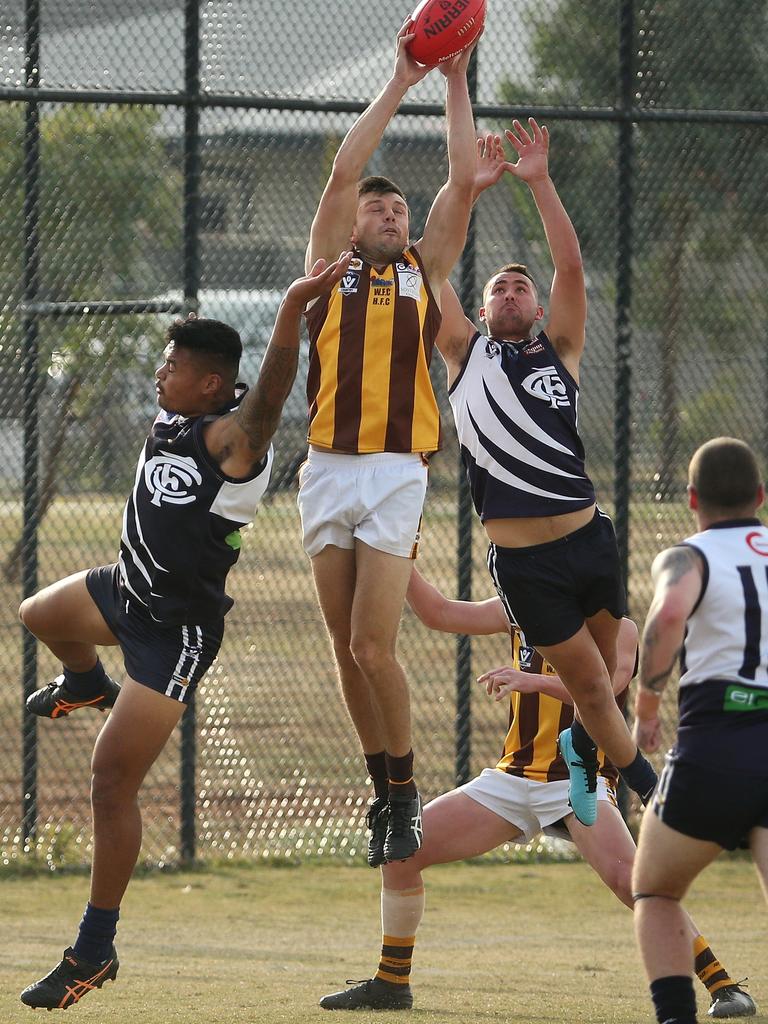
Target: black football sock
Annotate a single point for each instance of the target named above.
(86, 684)
(97, 933)
(674, 1000)
(583, 743)
(400, 773)
(641, 777)
(377, 769)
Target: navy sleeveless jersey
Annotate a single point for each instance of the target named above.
(516, 412)
(181, 523)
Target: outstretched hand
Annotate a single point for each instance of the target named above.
(532, 151)
(320, 279)
(500, 682)
(458, 65)
(407, 70)
(491, 162)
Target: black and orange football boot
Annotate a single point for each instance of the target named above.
(57, 701)
(70, 981)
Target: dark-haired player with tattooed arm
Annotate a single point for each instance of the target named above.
(201, 474)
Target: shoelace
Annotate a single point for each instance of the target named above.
(590, 774)
(400, 821)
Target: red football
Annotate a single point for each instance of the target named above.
(443, 28)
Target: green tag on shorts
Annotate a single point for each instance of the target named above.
(745, 698)
(234, 540)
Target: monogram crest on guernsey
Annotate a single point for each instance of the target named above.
(547, 385)
(516, 411)
(172, 478)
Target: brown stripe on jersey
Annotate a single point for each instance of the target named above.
(316, 314)
(528, 726)
(402, 376)
(350, 369)
(557, 769)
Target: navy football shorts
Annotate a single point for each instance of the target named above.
(549, 590)
(167, 658)
(712, 804)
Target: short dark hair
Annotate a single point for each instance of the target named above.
(726, 475)
(378, 185)
(511, 268)
(216, 344)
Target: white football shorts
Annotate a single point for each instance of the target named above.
(531, 806)
(377, 499)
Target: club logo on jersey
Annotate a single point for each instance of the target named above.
(758, 542)
(547, 385)
(349, 283)
(171, 478)
(526, 658)
(356, 264)
(492, 349)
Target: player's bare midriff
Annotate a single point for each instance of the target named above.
(526, 531)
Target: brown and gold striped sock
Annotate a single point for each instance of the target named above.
(401, 913)
(395, 962)
(708, 968)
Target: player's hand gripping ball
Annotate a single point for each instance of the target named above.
(443, 28)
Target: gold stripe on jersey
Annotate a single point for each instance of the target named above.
(535, 722)
(371, 342)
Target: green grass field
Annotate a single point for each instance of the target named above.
(513, 944)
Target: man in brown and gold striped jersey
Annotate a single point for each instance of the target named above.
(525, 794)
(373, 421)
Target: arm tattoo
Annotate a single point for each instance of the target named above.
(677, 562)
(259, 412)
(656, 683)
(651, 640)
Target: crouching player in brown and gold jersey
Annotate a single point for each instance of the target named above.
(525, 794)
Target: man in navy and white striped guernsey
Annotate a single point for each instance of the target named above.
(200, 476)
(552, 553)
(710, 607)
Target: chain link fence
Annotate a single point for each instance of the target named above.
(168, 155)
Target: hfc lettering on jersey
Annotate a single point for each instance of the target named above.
(171, 478)
(547, 385)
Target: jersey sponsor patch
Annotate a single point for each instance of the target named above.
(547, 385)
(745, 698)
(409, 282)
(534, 349)
(172, 478)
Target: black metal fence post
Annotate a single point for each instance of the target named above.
(188, 782)
(623, 370)
(463, 730)
(31, 385)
